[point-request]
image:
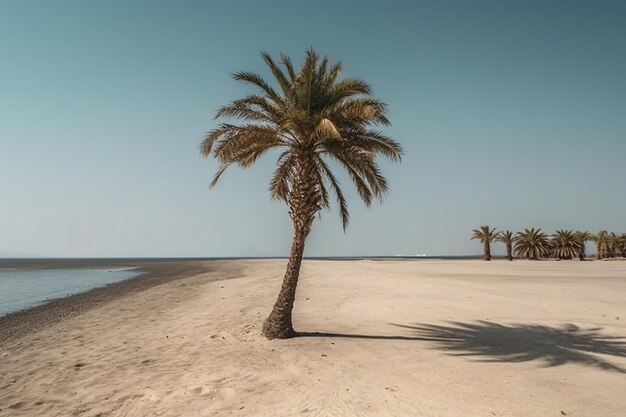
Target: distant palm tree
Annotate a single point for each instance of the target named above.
(486, 236)
(311, 115)
(613, 245)
(583, 237)
(565, 244)
(531, 244)
(506, 237)
(622, 245)
(601, 241)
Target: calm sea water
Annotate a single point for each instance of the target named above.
(23, 288)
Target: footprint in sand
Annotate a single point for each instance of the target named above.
(17, 405)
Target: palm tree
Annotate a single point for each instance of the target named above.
(506, 237)
(612, 245)
(600, 240)
(583, 237)
(486, 236)
(565, 244)
(531, 244)
(311, 115)
(622, 244)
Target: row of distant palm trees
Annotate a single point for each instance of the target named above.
(563, 244)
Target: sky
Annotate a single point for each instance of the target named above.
(511, 114)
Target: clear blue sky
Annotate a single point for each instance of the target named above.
(511, 113)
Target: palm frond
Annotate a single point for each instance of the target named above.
(258, 81)
(286, 61)
(375, 142)
(279, 185)
(343, 206)
(222, 131)
(278, 73)
(251, 108)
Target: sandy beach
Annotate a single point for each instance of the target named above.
(381, 338)
(153, 273)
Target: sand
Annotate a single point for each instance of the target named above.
(382, 338)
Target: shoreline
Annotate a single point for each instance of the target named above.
(51, 263)
(22, 322)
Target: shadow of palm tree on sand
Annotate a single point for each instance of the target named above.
(492, 342)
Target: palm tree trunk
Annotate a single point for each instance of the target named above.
(278, 324)
(303, 207)
(509, 251)
(581, 253)
(487, 251)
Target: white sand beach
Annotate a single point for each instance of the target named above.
(400, 338)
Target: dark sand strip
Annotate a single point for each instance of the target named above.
(19, 323)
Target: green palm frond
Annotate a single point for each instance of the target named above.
(505, 236)
(484, 234)
(583, 236)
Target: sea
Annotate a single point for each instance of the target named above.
(22, 288)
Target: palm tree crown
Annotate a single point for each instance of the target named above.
(566, 244)
(312, 117)
(532, 244)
